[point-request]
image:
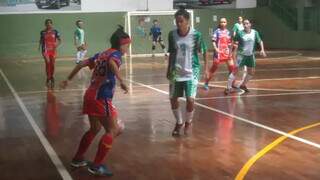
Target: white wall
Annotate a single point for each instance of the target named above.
(246, 3)
(125, 5)
(160, 5)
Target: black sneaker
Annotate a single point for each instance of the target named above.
(227, 91)
(79, 163)
(243, 87)
(187, 126)
(176, 130)
(52, 83)
(100, 170)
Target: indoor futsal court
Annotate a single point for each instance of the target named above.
(268, 131)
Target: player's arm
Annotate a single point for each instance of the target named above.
(75, 70)
(58, 36)
(88, 62)
(214, 41)
(259, 40)
(75, 39)
(235, 45)
(172, 55)
(204, 52)
(115, 69)
(215, 48)
(262, 52)
(40, 41)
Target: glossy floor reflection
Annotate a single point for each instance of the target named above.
(227, 130)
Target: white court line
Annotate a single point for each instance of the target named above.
(267, 89)
(64, 90)
(257, 70)
(276, 69)
(45, 143)
(259, 95)
(281, 79)
(240, 118)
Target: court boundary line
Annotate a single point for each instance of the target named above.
(279, 132)
(258, 95)
(262, 70)
(43, 140)
(213, 85)
(269, 89)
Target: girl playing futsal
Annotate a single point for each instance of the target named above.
(49, 42)
(98, 101)
(245, 44)
(221, 41)
(184, 68)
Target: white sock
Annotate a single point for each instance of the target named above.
(78, 57)
(245, 72)
(83, 54)
(189, 116)
(246, 79)
(230, 80)
(178, 115)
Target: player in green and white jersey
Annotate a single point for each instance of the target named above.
(245, 45)
(80, 42)
(184, 67)
(238, 26)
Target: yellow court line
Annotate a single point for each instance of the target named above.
(244, 170)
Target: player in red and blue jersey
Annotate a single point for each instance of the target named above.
(222, 41)
(155, 32)
(49, 41)
(98, 101)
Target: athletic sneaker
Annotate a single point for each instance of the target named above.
(79, 163)
(227, 91)
(243, 87)
(176, 130)
(187, 126)
(48, 83)
(100, 170)
(206, 86)
(52, 83)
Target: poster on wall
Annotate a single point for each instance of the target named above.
(200, 4)
(12, 6)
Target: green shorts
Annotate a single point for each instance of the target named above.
(249, 61)
(185, 88)
(181, 88)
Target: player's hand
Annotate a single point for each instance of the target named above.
(263, 53)
(168, 76)
(63, 84)
(124, 87)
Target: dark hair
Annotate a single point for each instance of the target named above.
(117, 36)
(78, 21)
(182, 12)
(247, 20)
(47, 21)
(156, 20)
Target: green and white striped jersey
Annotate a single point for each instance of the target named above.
(79, 34)
(247, 42)
(184, 52)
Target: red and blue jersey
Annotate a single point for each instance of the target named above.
(48, 39)
(103, 80)
(222, 39)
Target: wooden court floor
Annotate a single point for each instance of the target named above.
(270, 133)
